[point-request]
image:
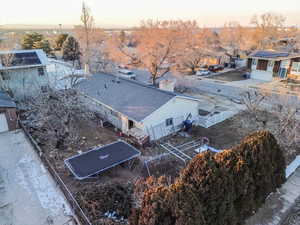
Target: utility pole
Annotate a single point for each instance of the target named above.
(60, 28)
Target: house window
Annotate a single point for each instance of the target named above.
(4, 75)
(44, 89)
(169, 122)
(41, 71)
(202, 112)
(262, 64)
(254, 62)
(296, 67)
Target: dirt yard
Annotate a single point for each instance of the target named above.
(230, 133)
(235, 75)
(221, 136)
(88, 191)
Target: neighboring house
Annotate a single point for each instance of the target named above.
(288, 44)
(8, 116)
(63, 75)
(23, 72)
(132, 106)
(267, 65)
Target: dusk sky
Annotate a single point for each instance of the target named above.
(129, 13)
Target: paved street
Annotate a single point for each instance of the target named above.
(199, 85)
(28, 194)
(231, 90)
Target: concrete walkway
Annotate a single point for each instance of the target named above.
(279, 204)
(28, 194)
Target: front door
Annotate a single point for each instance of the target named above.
(282, 73)
(130, 124)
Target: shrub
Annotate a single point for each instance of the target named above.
(217, 189)
(112, 197)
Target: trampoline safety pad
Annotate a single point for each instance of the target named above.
(100, 159)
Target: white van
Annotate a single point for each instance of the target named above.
(127, 74)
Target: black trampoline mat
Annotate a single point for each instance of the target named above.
(97, 160)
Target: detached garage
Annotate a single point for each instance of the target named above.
(8, 116)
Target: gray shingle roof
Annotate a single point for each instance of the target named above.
(133, 99)
(6, 101)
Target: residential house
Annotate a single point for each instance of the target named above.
(8, 116)
(23, 72)
(267, 65)
(133, 106)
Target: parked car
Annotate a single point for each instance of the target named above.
(123, 67)
(202, 72)
(127, 74)
(215, 68)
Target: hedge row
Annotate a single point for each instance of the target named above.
(217, 189)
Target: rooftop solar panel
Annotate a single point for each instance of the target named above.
(267, 54)
(20, 59)
(100, 159)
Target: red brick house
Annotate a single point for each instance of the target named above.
(8, 115)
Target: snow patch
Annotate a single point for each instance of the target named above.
(292, 167)
(30, 171)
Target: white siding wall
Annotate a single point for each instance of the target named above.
(253, 66)
(270, 66)
(177, 108)
(262, 75)
(113, 117)
(25, 82)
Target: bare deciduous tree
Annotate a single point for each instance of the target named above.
(277, 112)
(196, 46)
(92, 41)
(119, 48)
(155, 46)
(268, 27)
(88, 26)
(233, 37)
(53, 117)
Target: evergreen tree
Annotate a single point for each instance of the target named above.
(43, 44)
(71, 49)
(28, 40)
(60, 40)
(36, 41)
(220, 189)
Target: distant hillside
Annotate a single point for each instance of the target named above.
(33, 27)
(53, 27)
